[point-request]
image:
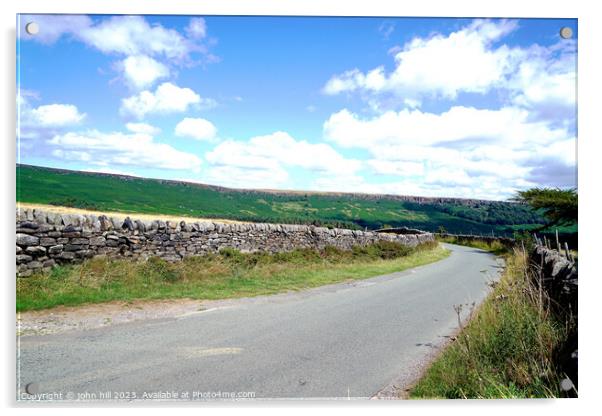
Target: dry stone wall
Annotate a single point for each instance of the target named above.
(558, 276)
(45, 238)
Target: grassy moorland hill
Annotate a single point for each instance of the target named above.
(119, 193)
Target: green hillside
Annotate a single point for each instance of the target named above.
(150, 196)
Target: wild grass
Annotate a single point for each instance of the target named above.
(227, 274)
(507, 348)
(494, 247)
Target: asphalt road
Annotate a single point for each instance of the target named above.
(347, 340)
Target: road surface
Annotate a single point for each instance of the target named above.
(349, 340)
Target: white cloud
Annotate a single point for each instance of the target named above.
(141, 71)
(55, 115)
(197, 28)
(264, 157)
(247, 178)
(44, 120)
(167, 98)
(448, 177)
(280, 148)
(141, 43)
(545, 81)
(133, 35)
(143, 128)
(396, 168)
(471, 60)
(122, 149)
(438, 65)
(196, 128)
(478, 152)
(506, 126)
(122, 35)
(464, 151)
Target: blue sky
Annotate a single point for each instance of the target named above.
(435, 107)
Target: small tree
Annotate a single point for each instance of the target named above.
(559, 206)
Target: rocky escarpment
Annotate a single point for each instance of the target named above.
(45, 238)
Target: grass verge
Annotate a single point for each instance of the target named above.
(494, 247)
(507, 348)
(227, 274)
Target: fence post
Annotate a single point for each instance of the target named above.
(558, 242)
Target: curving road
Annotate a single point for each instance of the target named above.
(350, 340)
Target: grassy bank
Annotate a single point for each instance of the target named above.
(216, 276)
(506, 350)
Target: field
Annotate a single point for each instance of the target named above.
(113, 193)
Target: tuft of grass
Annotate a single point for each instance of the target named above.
(507, 348)
(226, 274)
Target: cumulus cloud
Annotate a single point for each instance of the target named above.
(439, 65)
(141, 42)
(167, 98)
(247, 178)
(133, 35)
(196, 128)
(43, 120)
(120, 149)
(508, 125)
(141, 71)
(482, 151)
(143, 128)
(396, 168)
(47, 115)
(264, 157)
(472, 59)
(464, 151)
(121, 35)
(545, 81)
(54, 115)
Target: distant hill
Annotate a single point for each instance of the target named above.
(110, 192)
